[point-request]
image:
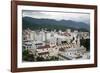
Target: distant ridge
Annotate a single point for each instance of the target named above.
(51, 24)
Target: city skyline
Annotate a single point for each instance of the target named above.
(55, 35)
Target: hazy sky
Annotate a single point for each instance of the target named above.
(80, 17)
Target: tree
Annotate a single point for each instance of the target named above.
(26, 56)
(85, 43)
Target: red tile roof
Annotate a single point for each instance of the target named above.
(67, 34)
(43, 47)
(39, 44)
(43, 53)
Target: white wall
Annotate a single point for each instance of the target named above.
(5, 26)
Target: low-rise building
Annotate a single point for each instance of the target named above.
(54, 43)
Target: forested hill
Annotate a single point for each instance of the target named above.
(51, 24)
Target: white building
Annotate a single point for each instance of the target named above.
(52, 43)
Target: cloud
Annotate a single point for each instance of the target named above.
(80, 17)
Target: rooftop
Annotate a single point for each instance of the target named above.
(43, 47)
(43, 53)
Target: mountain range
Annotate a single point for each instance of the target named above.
(51, 24)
